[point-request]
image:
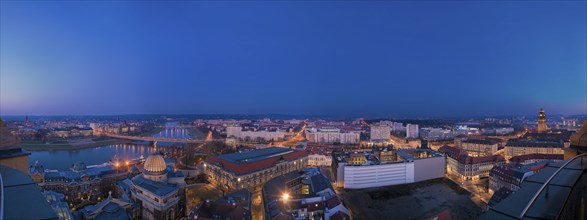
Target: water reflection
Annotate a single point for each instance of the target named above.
(63, 159)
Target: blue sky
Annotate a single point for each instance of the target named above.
(339, 58)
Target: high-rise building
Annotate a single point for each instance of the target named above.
(332, 136)
(542, 121)
(412, 131)
(380, 132)
(233, 131)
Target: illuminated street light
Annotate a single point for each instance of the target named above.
(285, 197)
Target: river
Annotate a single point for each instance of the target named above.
(63, 159)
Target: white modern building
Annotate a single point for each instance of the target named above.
(331, 136)
(412, 131)
(237, 132)
(376, 169)
(380, 132)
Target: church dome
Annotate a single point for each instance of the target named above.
(155, 164)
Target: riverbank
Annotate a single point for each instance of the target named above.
(196, 133)
(64, 145)
(152, 132)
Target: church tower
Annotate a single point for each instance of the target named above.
(542, 121)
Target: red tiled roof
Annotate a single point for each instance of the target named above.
(254, 166)
(315, 206)
(333, 202)
(319, 149)
(538, 167)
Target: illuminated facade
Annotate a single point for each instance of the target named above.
(522, 147)
(331, 136)
(477, 148)
(542, 121)
(80, 183)
(380, 132)
(158, 190)
(254, 168)
(460, 164)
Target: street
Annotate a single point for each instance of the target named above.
(477, 188)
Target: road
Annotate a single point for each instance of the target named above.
(479, 194)
(298, 136)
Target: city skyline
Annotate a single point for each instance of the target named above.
(341, 59)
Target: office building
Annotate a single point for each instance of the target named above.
(380, 133)
(412, 131)
(384, 168)
(331, 136)
(237, 132)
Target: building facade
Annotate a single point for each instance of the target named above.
(302, 195)
(158, 190)
(542, 121)
(385, 168)
(80, 182)
(412, 131)
(237, 132)
(522, 147)
(510, 176)
(331, 136)
(460, 164)
(254, 168)
(319, 155)
(479, 148)
(380, 133)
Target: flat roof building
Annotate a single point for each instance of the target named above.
(384, 168)
(253, 168)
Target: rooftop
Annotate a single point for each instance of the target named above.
(462, 157)
(248, 162)
(548, 203)
(479, 141)
(255, 155)
(534, 143)
(21, 197)
(157, 188)
(526, 157)
(235, 205)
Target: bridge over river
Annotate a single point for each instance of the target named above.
(162, 139)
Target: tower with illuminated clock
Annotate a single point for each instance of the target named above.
(542, 121)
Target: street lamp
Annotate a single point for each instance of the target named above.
(285, 197)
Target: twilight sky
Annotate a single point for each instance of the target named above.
(371, 59)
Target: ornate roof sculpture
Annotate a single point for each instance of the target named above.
(155, 164)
